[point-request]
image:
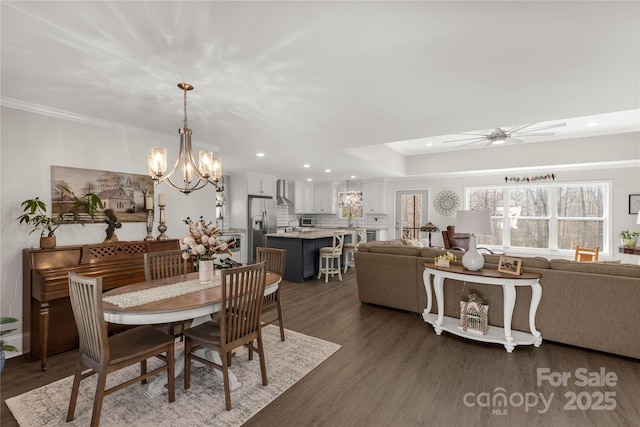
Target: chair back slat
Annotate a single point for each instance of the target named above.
(276, 260)
(338, 242)
(243, 291)
(85, 294)
(158, 265)
(361, 236)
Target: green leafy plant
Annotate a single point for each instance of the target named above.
(629, 235)
(35, 213)
(3, 346)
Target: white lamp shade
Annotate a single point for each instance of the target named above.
(638, 220)
(473, 222)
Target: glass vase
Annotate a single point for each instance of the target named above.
(205, 270)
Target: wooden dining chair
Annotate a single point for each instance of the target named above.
(159, 265)
(239, 324)
(103, 354)
(276, 261)
(586, 254)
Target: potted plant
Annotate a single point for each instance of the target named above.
(629, 238)
(4, 347)
(35, 215)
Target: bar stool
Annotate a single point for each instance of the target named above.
(331, 254)
(349, 250)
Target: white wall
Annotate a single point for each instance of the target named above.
(31, 144)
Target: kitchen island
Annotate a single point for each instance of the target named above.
(303, 250)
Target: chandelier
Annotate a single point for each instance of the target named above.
(208, 171)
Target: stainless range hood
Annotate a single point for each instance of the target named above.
(281, 199)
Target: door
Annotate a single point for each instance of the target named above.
(411, 213)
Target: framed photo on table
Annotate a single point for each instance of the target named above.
(634, 204)
(510, 265)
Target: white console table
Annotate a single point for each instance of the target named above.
(504, 336)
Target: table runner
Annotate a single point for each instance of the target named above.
(132, 299)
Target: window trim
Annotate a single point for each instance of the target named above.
(553, 250)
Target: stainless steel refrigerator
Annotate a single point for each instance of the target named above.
(262, 220)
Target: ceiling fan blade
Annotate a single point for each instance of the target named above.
(536, 134)
(519, 128)
(470, 133)
(514, 140)
(555, 125)
(469, 143)
(476, 139)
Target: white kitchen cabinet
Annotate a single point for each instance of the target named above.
(325, 199)
(303, 203)
(373, 199)
(261, 185)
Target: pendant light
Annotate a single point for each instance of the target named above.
(208, 171)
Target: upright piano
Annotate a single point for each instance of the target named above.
(48, 324)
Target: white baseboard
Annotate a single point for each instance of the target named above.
(16, 341)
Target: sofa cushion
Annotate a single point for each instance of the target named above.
(626, 270)
(395, 250)
(364, 247)
(527, 261)
(435, 252)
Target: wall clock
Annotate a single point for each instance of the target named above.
(446, 202)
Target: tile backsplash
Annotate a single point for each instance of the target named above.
(331, 220)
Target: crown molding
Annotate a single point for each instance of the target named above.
(91, 121)
(616, 164)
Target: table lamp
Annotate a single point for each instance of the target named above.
(473, 222)
(429, 228)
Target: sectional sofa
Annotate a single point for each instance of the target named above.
(589, 305)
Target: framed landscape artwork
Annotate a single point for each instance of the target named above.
(124, 193)
(634, 204)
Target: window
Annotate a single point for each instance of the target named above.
(350, 204)
(551, 216)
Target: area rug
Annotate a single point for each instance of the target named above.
(202, 405)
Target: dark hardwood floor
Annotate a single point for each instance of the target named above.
(393, 370)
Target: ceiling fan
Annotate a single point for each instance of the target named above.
(500, 136)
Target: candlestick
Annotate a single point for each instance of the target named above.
(148, 202)
(149, 237)
(162, 227)
(161, 199)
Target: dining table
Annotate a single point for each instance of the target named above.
(172, 299)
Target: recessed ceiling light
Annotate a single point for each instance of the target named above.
(306, 166)
(593, 124)
(309, 179)
(429, 144)
(353, 176)
(260, 154)
(327, 170)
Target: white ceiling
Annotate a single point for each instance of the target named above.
(327, 83)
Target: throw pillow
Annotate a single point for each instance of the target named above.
(413, 242)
